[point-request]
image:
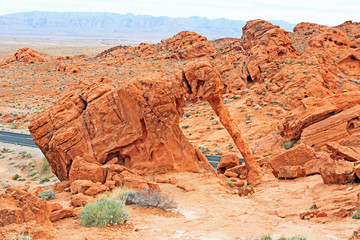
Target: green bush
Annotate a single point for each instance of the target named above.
(44, 179)
(230, 183)
(149, 198)
(204, 149)
(16, 177)
(356, 214)
(218, 151)
(5, 150)
(47, 195)
(267, 237)
(45, 165)
(103, 212)
(24, 154)
(288, 145)
(33, 173)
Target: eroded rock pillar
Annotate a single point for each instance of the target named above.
(204, 83)
(254, 175)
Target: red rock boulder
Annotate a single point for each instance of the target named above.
(68, 68)
(296, 157)
(227, 161)
(340, 172)
(19, 206)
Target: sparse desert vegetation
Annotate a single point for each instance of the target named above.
(124, 129)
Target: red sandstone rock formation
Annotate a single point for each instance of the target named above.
(265, 45)
(295, 157)
(339, 172)
(227, 161)
(189, 45)
(19, 206)
(183, 46)
(311, 73)
(136, 126)
(68, 68)
(314, 110)
(334, 128)
(26, 55)
(352, 29)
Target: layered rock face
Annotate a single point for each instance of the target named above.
(135, 125)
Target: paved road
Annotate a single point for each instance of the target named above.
(214, 160)
(17, 138)
(26, 140)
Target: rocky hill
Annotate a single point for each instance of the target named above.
(143, 116)
(76, 25)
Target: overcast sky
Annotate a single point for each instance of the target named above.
(328, 12)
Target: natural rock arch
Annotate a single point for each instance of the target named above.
(135, 124)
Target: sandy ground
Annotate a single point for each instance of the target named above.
(12, 163)
(211, 212)
(53, 46)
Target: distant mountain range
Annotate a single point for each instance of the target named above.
(105, 26)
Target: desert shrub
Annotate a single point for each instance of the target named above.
(356, 214)
(22, 236)
(297, 238)
(149, 198)
(14, 126)
(313, 206)
(25, 154)
(45, 165)
(203, 149)
(230, 183)
(218, 151)
(16, 177)
(47, 195)
(287, 145)
(103, 212)
(267, 237)
(33, 173)
(118, 194)
(44, 179)
(5, 150)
